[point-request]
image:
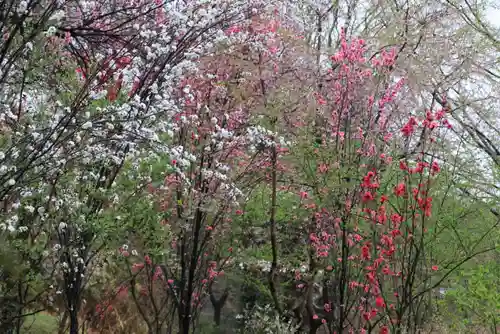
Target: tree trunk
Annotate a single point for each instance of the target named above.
(217, 314)
(186, 322)
(73, 322)
(218, 304)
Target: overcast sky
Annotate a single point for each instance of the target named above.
(493, 16)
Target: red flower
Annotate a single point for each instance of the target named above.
(384, 330)
(382, 217)
(395, 233)
(367, 196)
(409, 127)
(396, 219)
(367, 181)
(420, 167)
(383, 199)
(365, 252)
(380, 302)
(435, 268)
(426, 205)
(447, 124)
(400, 189)
(435, 167)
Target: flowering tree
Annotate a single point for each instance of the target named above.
(103, 113)
(216, 149)
(136, 135)
(366, 193)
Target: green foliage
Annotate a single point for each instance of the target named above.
(475, 298)
(40, 323)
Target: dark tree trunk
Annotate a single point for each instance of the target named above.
(73, 321)
(217, 314)
(218, 304)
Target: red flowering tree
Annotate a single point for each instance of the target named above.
(366, 193)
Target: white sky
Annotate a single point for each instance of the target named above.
(493, 15)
